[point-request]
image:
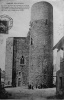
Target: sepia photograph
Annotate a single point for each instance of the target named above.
(32, 49)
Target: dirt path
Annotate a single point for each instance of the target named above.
(28, 94)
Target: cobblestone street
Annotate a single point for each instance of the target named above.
(28, 94)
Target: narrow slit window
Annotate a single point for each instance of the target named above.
(46, 23)
(60, 82)
(31, 41)
(22, 60)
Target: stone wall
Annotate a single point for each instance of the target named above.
(21, 49)
(16, 48)
(8, 61)
(41, 43)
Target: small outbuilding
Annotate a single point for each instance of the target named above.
(60, 67)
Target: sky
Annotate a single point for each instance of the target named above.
(21, 20)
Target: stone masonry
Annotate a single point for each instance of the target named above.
(17, 72)
(29, 60)
(8, 61)
(41, 43)
(21, 48)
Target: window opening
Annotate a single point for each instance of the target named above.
(19, 73)
(8, 82)
(19, 82)
(46, 23)
(60, 82)
(22, 60)
(31, 41)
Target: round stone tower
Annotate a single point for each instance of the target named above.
(41, 43)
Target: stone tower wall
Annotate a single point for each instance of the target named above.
(15, 48)
(8, 61)
(22, 49)
(41, 43)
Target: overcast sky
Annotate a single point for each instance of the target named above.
(21, 21)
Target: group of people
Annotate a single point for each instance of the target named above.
(30, 86)
(37, 86)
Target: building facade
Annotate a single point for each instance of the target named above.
(60, 67)
(30, 59)
(20, 61)
(17, 61)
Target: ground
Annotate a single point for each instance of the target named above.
(29, 94)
